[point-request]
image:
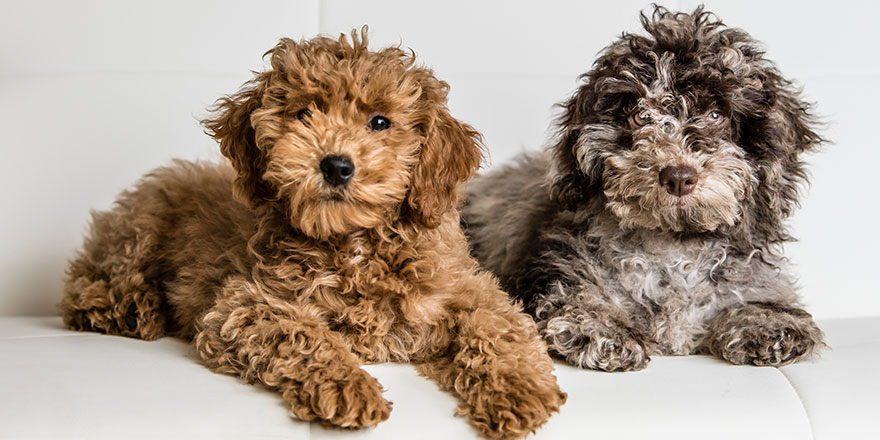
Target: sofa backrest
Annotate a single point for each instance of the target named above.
(95, 93)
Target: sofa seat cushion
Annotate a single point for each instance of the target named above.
(61, 384)
(841, 390)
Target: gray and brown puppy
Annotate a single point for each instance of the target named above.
(654, 223)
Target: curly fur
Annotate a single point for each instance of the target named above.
(615, 268)
(285, 280)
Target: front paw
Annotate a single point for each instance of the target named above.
(352, 401)
(511, 405)
(764, 335)
(595, 346)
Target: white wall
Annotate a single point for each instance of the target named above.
(94, 93)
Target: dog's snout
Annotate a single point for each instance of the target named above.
(337, 170)
(678, 180)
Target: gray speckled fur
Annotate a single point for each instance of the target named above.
(588, 240)
(641, 292)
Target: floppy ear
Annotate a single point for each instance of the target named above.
(790, 127)
(775, 139)
(233, 129)
(450, 154)
(571, 182)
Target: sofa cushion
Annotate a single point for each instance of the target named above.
(841, 390)
(62, 384)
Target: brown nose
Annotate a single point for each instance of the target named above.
(679, 180)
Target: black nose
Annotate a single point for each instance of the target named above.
(679, 180)
(337, 170)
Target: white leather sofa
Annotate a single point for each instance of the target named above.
(94, 93)
(61, 384)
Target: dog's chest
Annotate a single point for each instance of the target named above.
(380, 307)
(671, 287)
(662, 270)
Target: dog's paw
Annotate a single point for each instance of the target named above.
(353, 401)
(140, 317)
(511, 405)
(596, 346)
(764, 345)
(88, 306)
(764, 335)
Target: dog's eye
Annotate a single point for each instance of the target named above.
(715, 115)
(379, 123)
(641, 118)
(303, 114)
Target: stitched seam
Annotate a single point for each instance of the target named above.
(801, 401)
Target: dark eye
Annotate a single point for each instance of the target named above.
(715, 115)
(303, 114)
(379, 123)
(641, 118)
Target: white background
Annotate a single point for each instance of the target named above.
(93, 93)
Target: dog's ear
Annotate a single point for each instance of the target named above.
(232, 128)
(576, 165)
(775, 137)
(789, 125)
(451, 152)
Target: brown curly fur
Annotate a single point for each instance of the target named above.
(282, 279)
(614, 267)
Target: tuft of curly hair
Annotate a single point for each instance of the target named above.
(331, 241)
(653, 224)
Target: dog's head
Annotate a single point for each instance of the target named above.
(689, 129)
(341, 138)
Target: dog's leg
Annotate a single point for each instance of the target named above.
(579, 321)
(264, 339)
(762, 333)
(586, 330)
(105, 290)
(590, 336)
(494, 361)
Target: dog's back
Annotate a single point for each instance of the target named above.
(153, 263)
(503, 210)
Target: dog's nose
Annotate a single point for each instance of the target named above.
(337, 170)
(679, 180)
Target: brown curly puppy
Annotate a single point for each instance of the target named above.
(654, 223)
(332, 241)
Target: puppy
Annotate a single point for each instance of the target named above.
(654, 223)
(332, 241)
